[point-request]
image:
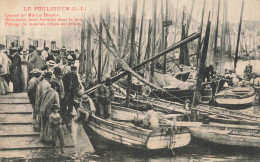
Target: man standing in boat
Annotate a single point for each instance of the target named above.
(104, 96)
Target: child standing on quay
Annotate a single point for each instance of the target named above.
(55, 122)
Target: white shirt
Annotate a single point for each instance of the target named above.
(44, 54)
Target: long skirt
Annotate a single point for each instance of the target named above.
(45, 130)
(4, 88)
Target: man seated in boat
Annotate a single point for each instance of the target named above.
(85, 109)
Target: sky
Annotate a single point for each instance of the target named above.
(251, 7)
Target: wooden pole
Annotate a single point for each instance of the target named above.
(100, 50)
(223, 39)
(88, 58)
(140, 35)
(165, 39)
(182, 52)
(202, 65)
(82, 53)
(238, 36)
(175, 31)
(199, 40)
(188, 23)
(154, 35)
(216, 34)
(118, 30)
(132, 50)
(169, 49)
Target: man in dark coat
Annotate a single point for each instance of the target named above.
(71, 87)
(15, 73)
(54, 55)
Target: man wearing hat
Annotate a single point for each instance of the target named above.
(37, 61)
(16, 71)
(5, 62)
(54, 55)
(41, 88)
(32, 86)
(55, 123)
(85, 109)
(50, 65)
(71, 87)
(67, 67)
(58, 77)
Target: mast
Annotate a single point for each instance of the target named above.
(238, 36)
(175, 31)
(165, 39)
(199, 40)
(82, 53)
(162, 27)
(188, 24)
(153, 36)
(118, 29)
(216, 34)
(132, 49)
(202, 64)
(140, 35)
(223, 38)
(89, 57)
(100, 50)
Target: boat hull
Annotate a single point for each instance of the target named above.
(226, 136)
(109, 134)
(235, 99)
(235, 103)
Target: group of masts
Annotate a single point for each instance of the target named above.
(135, 49)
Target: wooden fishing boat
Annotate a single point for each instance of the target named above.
(120, 131)
(127, 134)
(224, 134)
(235, 98)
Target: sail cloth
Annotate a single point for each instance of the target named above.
(169, 81)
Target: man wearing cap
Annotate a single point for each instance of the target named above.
(16, 71)
(37, 61)
(54, 55)
(85, 109)
(67, 67)
(32, 86)
(48, 98)
(71, 87)
(5, 62)
(41, 88)
(58, 77)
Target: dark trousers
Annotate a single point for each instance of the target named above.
(68, 103)
(17, 85)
